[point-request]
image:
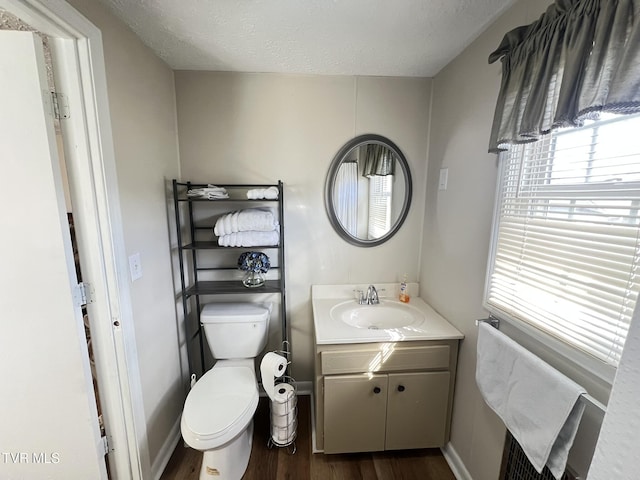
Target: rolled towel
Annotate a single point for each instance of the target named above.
(250, 239)
(270, 193)
(254, 193)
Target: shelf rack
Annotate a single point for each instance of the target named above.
(195, 219)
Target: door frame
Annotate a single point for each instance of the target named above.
(79, 70)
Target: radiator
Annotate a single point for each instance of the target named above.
(516, 465)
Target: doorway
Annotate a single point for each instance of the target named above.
(77, 55)
(11, 22)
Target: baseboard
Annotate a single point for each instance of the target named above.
(164, 455)
(455, 462)
(305, 388)
(312, 412)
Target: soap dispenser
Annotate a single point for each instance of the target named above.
(404, 291)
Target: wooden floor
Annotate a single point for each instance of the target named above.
(279, 464)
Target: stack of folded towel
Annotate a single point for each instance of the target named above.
(210, 192)
(248, 228)
(270, 193)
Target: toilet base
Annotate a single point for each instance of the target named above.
(230, 461)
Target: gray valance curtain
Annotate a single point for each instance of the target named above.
(378, 160)
(580, 58)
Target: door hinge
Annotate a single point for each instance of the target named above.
(60, 105)
(105, 445)
(83, 294)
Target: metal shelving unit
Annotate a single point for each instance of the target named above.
(208, 269)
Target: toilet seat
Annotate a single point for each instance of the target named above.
(219, 406)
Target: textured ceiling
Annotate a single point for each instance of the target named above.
(327, 37)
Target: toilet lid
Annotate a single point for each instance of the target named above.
(221, 398)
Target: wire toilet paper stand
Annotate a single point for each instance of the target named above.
(284, 409)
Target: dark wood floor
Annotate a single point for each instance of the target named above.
(280, 464)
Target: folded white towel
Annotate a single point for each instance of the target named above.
(270, 193)
(539, 405)
(210, 192)
(256, 219)
(250, 239)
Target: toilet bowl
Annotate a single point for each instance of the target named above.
(217, 418)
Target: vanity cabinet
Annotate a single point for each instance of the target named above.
(384, 396)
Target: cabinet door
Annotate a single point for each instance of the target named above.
(417, 410)
(354, 413)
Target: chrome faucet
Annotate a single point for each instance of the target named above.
(372, 296)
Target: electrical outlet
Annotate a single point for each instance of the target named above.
(135, 266)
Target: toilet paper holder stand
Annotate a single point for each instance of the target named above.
(286, 352)
(283, 423)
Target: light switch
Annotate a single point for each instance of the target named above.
(135, 266)
(444, 177)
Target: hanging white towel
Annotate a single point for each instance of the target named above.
(539, 405)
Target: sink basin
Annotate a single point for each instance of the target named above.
(386, 315)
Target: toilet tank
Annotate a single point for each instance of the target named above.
(235, 330)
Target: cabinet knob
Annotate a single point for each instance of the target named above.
(401, 388)
(376, 390)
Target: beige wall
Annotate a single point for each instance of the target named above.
(142, 105)
(261, 128)
(239, 128)
(458, 224)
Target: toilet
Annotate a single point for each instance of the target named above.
(218, 414)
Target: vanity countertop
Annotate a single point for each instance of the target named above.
(331, 330)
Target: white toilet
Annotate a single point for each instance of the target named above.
(218, 413)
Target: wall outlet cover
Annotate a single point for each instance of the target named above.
(135, 266)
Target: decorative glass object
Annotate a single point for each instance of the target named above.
(253, 279)
(255, 264)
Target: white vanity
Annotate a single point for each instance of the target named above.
(384, 374)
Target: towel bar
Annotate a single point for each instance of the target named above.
(596, 403)
(491, 320)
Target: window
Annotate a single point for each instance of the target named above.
(379, 205)
(566, 249)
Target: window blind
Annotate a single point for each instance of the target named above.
(566, 246)
(379, 205)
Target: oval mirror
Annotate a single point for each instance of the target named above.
(368, 190)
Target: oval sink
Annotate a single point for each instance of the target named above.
(386, 315)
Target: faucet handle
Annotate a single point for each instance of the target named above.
(362, 299)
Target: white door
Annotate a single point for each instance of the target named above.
(48, 416)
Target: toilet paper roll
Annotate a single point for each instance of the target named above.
(283, 393)
(284, 435)
(272, 366)
(284, 399)
(283, 420)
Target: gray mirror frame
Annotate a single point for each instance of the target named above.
(329, 184)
